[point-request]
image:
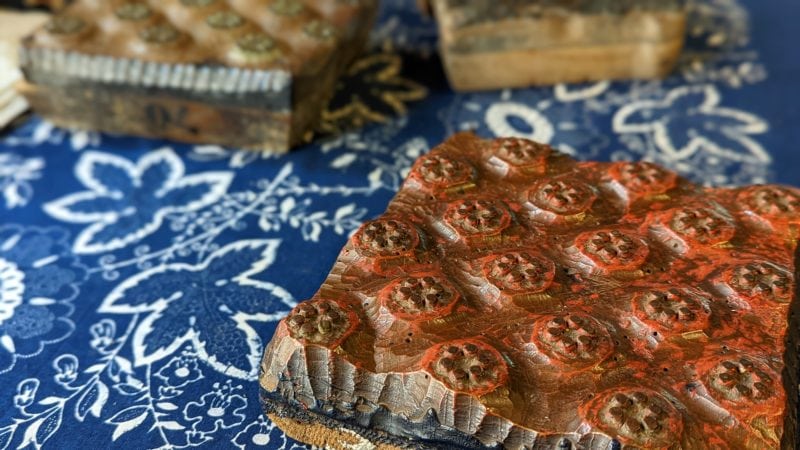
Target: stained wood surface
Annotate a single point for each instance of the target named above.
(511, 296)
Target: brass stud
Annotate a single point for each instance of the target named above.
(160, 34)
(320, 30)
(286, 7)
(65, 25)
(133, 11)
(224, 20)
(256, 43)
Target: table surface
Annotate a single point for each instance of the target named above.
(140, 279)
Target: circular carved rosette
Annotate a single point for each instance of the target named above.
(469, 366)
(520, 153)
(741, 381)
(386, 237)
(323, 322)
(636, 417)
(421, 297)
(678, 310)
(442, 172)
(701, 226)
(774, 203)
(476, 218)
(565, 197)
(519, 272)
(613, 250)
(643, 179)
(576, 339)
(762, 281)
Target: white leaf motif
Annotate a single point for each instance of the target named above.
(50, 400)
(6, 433)
(92, 401)
(167, 406)
(343, 161)
(171, 425)
(344, 211)
(126, 420)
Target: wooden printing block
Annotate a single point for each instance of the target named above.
(488, 44)
(544, 303)
(243, 73)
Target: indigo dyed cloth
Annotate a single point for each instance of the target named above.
(140, 279)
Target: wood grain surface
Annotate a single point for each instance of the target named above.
(516, 44)
(513, 297)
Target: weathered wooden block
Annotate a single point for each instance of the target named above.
(513, 297)
(488, 44)
(244, 73)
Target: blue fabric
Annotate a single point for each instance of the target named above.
(140, 279)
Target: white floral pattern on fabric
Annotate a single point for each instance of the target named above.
(219, 409)
(690, 120)
(209, 304)
(41, 132)
(16, 175)
(260, 433)
(38, 281)
(126, 201)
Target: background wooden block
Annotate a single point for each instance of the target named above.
(243, 73)
(515, 43)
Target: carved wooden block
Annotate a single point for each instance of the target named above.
(243, 73)
(513, 297)
(489, 44)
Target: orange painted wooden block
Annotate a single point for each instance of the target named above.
(488, 44)
(243, 73)
(513, 297)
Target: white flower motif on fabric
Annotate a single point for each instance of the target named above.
(11, 289)
(221, 408)
(574, 93)
(38, 132)
(689, 120)
(536, 126)
(260, 433)
(16, 175)
(210, 304)
(38, 281)
(126, 201)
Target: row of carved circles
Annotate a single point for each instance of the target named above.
(162, 33)
(522, 271)
(569, 195)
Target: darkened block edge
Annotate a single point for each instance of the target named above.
(156, 113)
(791, 370)
(372, 425)
(271, 100)
(380, 426)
